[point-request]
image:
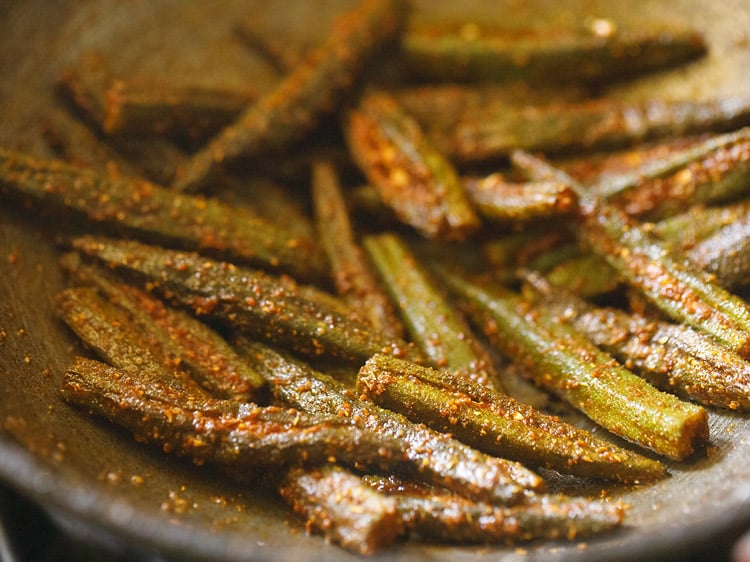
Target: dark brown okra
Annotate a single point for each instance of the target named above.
(567, 364)
(219, 431)
(311, 88)
(411, 176)
(182, 339)
(490, 134)
(432, 322)
(340, 505)
(146, 210)
(671, 356)
(431, 513)
(688, 296)
(352, 274)
(496, 423)
(430, 456)
(298, 317)
(595, 53)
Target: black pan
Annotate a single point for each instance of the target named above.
(95, 479)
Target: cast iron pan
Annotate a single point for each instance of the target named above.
(94, 478)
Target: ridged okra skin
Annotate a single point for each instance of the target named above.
(682, 293)
(672, 356)
(346, 510)
(567, 364)
(222, 432)
(111, 333)
(147, 211)
(437, 327)
(482, 136)
(557, 54)
(433, 514)
(353, 276)
(411, 175)
(312, 88)
(181, 339)
(430, 456)
(277, 309)
(496, 423)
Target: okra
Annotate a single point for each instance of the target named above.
(431, 320)
(430, 456)
(725, 254)
(113, 335)
(598, 53)
(567, 364)
(496, 423)
(432, 514)
(411, 176)
(71, 140)
(353, 276)
(140, 108)
(336, 503)
(440, 105)
(124, 106)
(584, 274)
(276, 202)
(184, 340)
(315, 86)
(499, 199)
(277, 309)
(686, 295)
(670, 356)
(602, 123)
(219, 431)
(658, 162)
(145, 210)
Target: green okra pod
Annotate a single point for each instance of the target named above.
(721, 175)
(411, 176)
(493, 133)
(686, 295)
(431, 321)
(183, 340)
(222, 432)
(433, 514)
(438, 105)
(277, 309)
(146, 210)
(338, 504)
(671, 356)
(313, 87)
(353, 276)
(567, 364)
(584, 274)
(725, 254)
(430, 456)
(622, 172)
(144, 108)
(596, 53)
(496, 423)
(499, 199)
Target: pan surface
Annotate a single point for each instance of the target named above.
(95, 477)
